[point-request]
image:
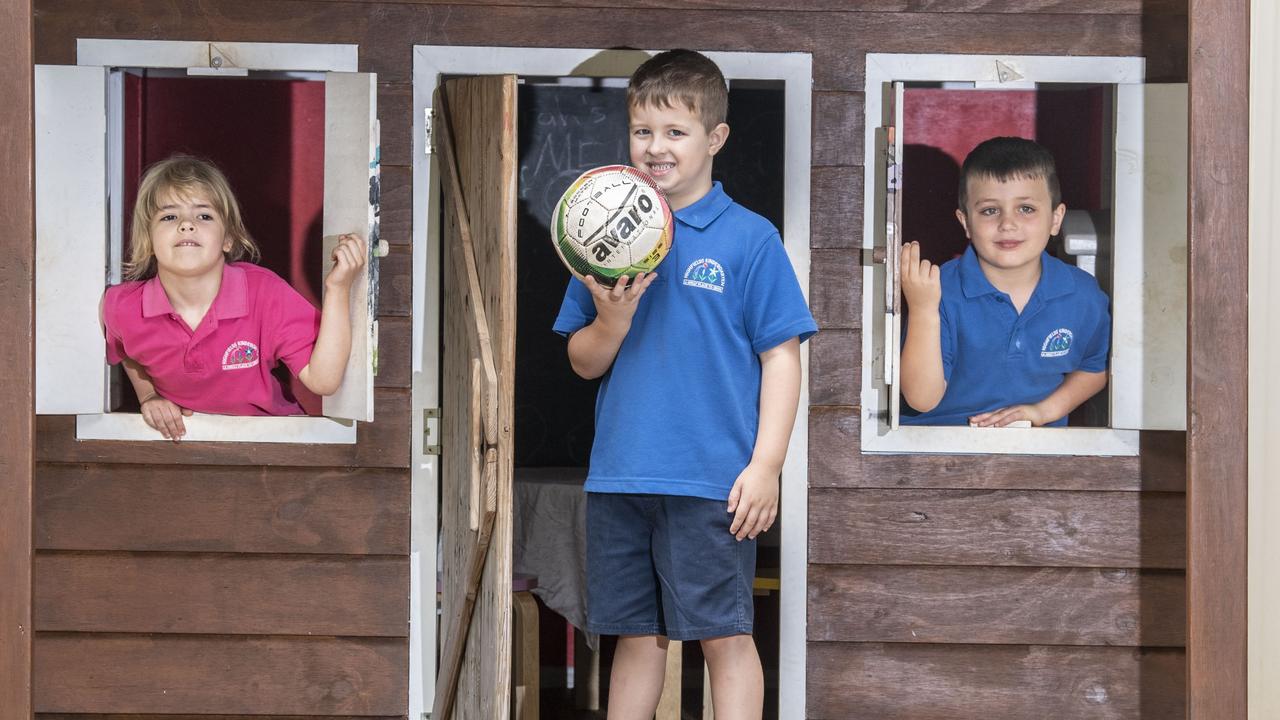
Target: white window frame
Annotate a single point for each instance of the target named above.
(430, 62)
(208, 59)
(991, 71)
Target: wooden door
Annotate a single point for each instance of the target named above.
(475, 131)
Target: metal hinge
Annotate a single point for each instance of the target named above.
(430, 417)
(428, 123)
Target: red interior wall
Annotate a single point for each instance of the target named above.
(940, 127)
(267, 136)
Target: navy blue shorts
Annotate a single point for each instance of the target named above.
(666, 565)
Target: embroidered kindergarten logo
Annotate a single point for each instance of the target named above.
(705, 273)
(1057, 344)
(240, 354)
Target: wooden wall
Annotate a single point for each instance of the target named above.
(17, 357)
(194, 579)
(1218, 360)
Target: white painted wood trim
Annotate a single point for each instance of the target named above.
(1264, 348)
(179, 54)
(959, 440)
(221, 428)
(795, 70)
(980, 69)
(71, 238)
(1149, 250)
(350, 165)
(235, 55)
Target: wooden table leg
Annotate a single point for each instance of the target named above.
(586, 673)
(669, 703)
(525, 665)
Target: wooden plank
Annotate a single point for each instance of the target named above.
(17, 378)
(385, 31)
(835, 287)
(397, 204)
(1080, 7)
(1217, 339)
(117, 716)
(222, 594)
(840, 464)
(965, 682)
(1010, 606)
(222, 509)
(837, 128)
(395, 116)
(77, 673)
(481, 113)
(835, 367)
(998, 527)
(836, 201)
(395, 284)
(382, 443)
(395, 358)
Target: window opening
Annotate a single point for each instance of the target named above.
(266, 131)
(942, 122)
(1114, 140)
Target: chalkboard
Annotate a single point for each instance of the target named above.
(562, 132)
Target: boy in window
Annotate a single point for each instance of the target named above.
(1004, 333)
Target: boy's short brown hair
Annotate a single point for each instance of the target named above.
(683, 76)
(1007, 158)
(184, 175)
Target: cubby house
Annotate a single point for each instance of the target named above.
(287, 567)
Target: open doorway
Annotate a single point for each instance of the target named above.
(566, 126)
(567, 101)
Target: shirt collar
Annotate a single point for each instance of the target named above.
(230, 302)
(1055, 277)
(709, 207)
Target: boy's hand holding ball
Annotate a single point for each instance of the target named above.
(616, 305)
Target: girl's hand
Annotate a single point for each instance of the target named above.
(165, 416)
(348, 260)
(921, 283)
(616, 306)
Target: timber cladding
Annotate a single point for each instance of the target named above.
(238, 580)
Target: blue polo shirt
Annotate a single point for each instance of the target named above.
(994, 357)
(677, 412)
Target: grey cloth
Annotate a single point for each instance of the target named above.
(549, 539)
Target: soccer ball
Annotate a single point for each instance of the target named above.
(612, 221)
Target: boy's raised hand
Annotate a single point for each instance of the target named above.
(165, 416)
(753, 501)
(348, 259)
(617, 305)
(920, 279)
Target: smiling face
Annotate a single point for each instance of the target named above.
(1009, 223)
(188, 235)
(673, 146)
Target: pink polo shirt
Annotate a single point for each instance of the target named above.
(224, 365)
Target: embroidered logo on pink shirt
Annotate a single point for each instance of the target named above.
(240, 354)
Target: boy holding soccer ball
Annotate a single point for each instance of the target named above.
(701, 367)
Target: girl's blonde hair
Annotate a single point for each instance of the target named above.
(184, 176)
